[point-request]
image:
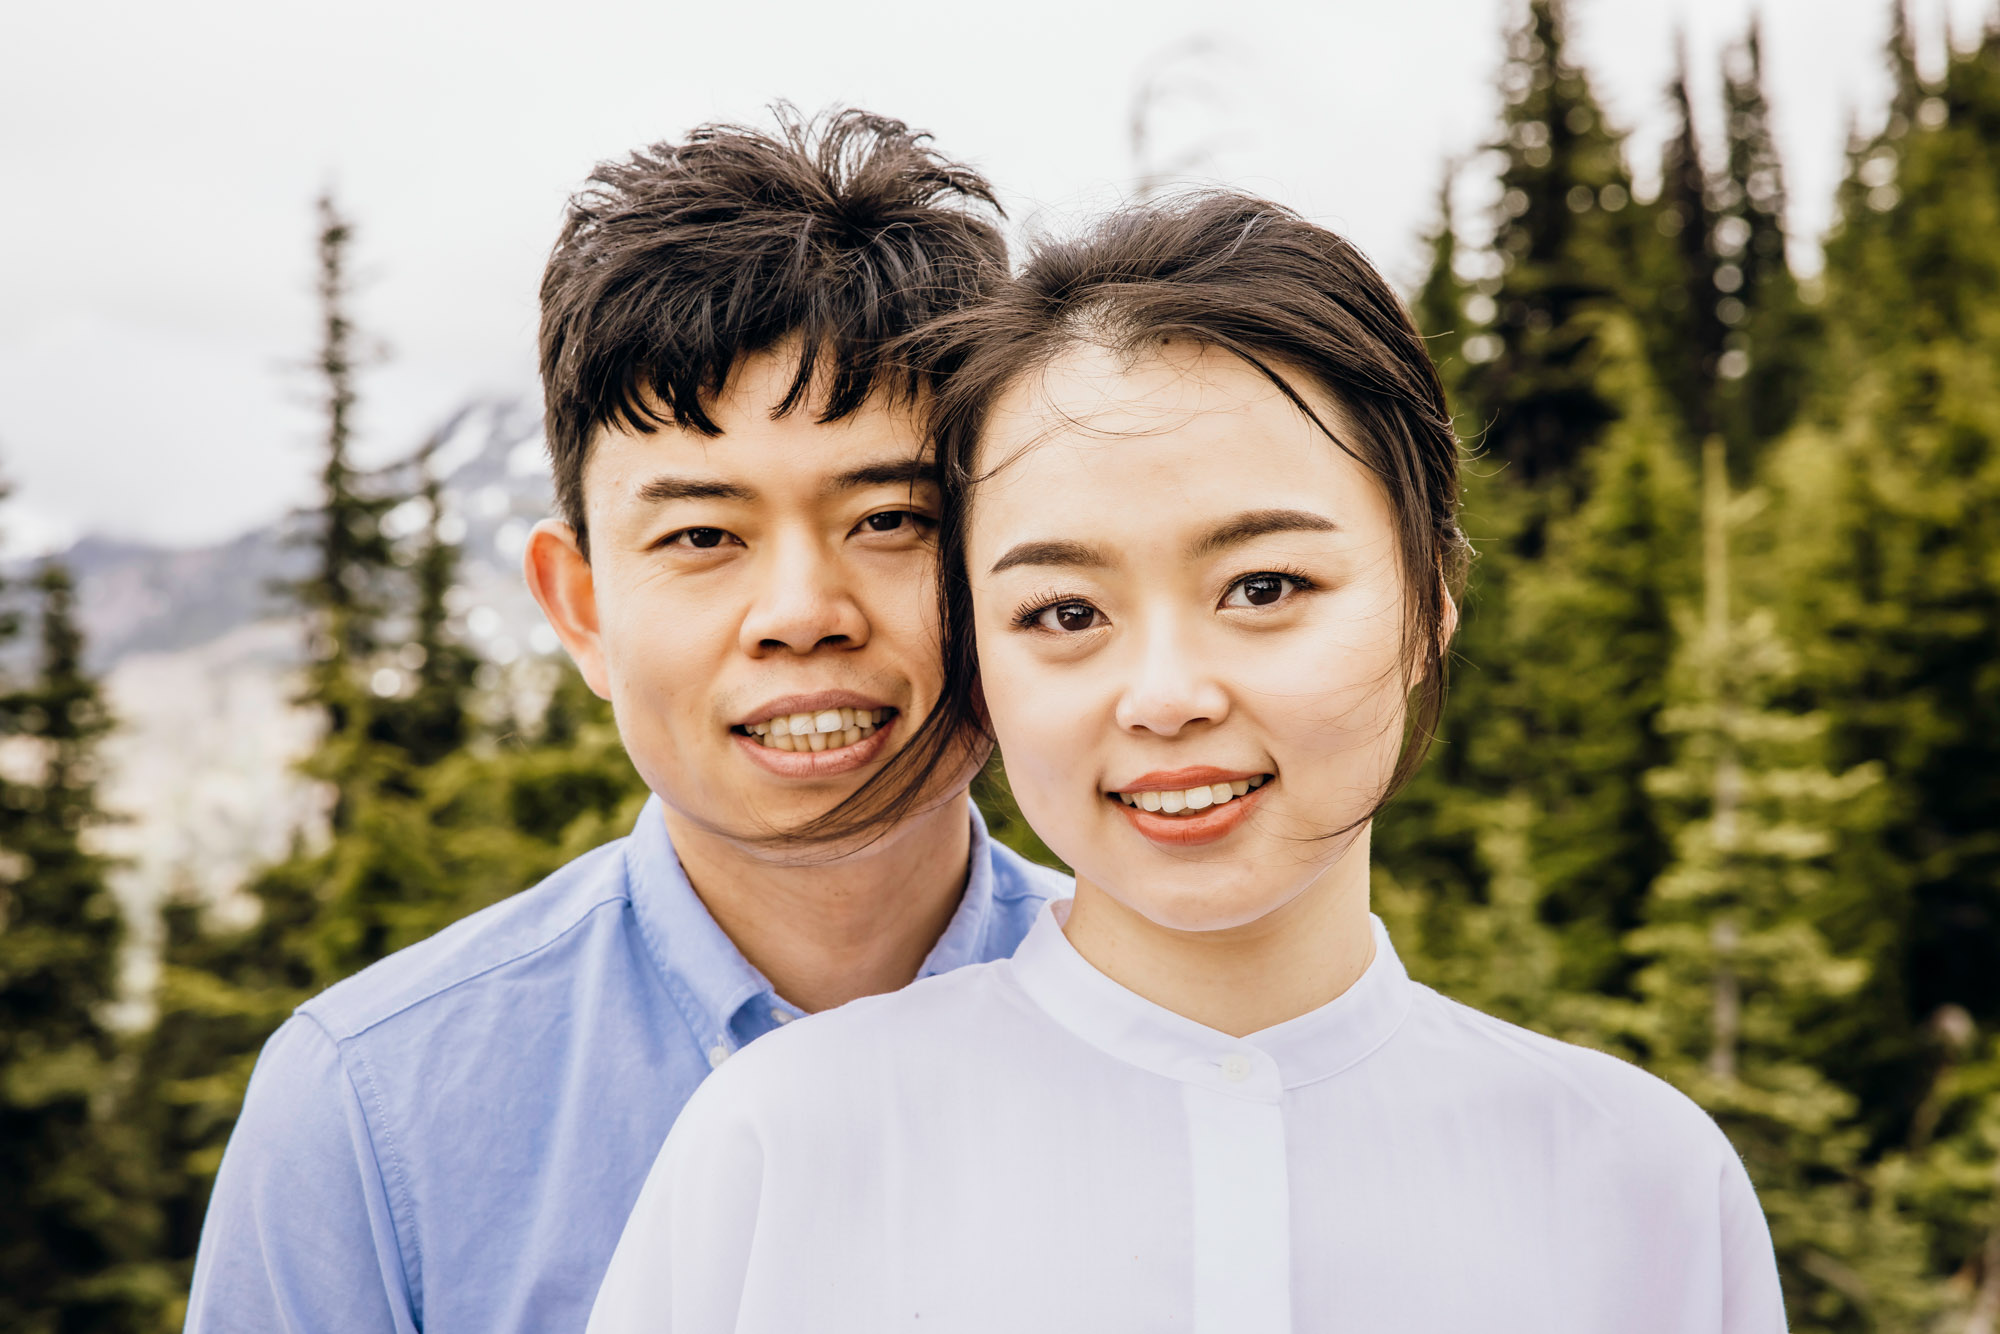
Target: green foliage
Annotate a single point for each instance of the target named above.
(1754, 851)
(1738, 977)
(1560, 239)
(73, 1213)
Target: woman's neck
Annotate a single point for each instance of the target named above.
(1246, 978)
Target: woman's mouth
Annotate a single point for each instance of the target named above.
(1192, 800)
(1187, 817)
(828, 729)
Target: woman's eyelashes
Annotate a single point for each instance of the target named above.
(1067, 614)
(1267, 588)
(1064, 616)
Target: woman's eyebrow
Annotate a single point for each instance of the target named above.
(1258, 523)
(1053, 552)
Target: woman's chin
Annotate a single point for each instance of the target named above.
(1201, 909)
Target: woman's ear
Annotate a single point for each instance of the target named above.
(1447, 630)
(1448, 622)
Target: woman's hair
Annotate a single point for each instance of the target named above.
(1243, 276)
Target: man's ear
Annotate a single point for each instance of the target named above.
(560, 577)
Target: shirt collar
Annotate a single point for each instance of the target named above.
(708, 977)
(1125, 1025)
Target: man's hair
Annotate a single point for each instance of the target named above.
(1295, 302)
(844, 233)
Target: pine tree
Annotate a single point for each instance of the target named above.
(70, 1217)
(1687, 327)
(345, 595)
(1439, 305)
(1586, 644)
(225, 988)
(1740, 982)
(435, 721)
(1563, 252)
(1882, 550)
(1563, 623)
(1765, 363)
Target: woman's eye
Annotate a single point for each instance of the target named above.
(1259, 590)
(1068, 617)
(700, 538)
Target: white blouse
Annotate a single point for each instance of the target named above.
(1027, 1147)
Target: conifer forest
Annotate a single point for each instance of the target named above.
(1717, 788)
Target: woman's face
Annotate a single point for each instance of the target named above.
(1190, 617)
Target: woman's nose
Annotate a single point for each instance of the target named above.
(1170, 689)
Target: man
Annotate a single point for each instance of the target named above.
(451, 1140)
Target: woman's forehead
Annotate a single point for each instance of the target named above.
(1153, 445)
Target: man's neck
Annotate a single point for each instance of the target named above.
(826, 933)
(1247, 978)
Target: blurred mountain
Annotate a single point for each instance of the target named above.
(198, 650)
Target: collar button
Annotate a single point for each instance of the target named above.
(1236, 1067)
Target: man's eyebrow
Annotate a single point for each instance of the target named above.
(1258, 523)
(1054, 552)
(662, 489)
(890, 472)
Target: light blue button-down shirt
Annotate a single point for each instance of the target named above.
(450, 1140)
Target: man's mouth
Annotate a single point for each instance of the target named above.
(1192, 800)
(826, 729)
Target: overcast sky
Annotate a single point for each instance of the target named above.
(160, 160)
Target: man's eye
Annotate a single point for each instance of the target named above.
(701, 538)
(890, 521)
(1260, 590)
(1068, 617)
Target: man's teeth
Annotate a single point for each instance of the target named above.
(1192, 798)
(828, 729)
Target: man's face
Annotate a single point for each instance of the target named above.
(758, 607)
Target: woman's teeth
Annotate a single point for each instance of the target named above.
(829, 729)
(1189, 800)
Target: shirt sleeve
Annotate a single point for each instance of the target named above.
(1752, 1300)
(686, 1252)
(299, 1236)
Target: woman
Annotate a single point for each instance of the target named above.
(1199, 523)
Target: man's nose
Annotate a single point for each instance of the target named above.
(804, 600)
(1170, 688)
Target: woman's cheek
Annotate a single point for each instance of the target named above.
(1327, 694)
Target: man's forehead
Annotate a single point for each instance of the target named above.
(812, 461)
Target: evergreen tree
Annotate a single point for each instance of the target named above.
(435, 719)
(1883, 554)
(1586, 645)
(1687, 328)
(1439, 305)
(70, 1217)
(1563, 626)
(345, 596)
(1733, 1002)
(1766, 357)
(1564, 254)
